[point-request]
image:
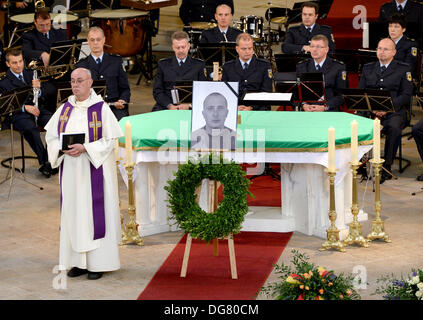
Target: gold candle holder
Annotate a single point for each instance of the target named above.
(378, 225)
(355, 235)
(332, 234)
(131, 234)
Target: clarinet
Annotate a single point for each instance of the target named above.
(35, 91)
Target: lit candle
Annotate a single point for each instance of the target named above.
(376, 140)
(128, 142)
(331, 149)
(354, 142)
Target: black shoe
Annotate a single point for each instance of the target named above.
(76, 272)
(45, 169)
(54, 171)
(94, 275)
(420, 177)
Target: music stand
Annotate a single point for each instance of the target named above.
(10, 102)
(311, 88)
(288, 62)
(368, 100)
(63, 53)
(217, 52)
(355, 59)
(182, 92)
(64, 90)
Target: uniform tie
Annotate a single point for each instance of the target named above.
(22, 79)
(318, 68)
(98, 60)
(309, 30)
(400, 9)
(224, 36)
(382, 69)
(181, 63)
(245, 66)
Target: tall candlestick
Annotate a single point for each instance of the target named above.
(128, 142)
(354, 142)
(331, 149)
(376, 139)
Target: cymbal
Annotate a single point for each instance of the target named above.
(267, 5)
(279, 20)
(203, 25)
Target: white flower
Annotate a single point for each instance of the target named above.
(415, 280)
(419, 294)
(420, 286)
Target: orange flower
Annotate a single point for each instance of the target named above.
(321, 291)
(341, 296)
(306, 276)
(307, 288)
(330, 284)
(302, 287)
(310, 273)
(349, 292)
(318, 298)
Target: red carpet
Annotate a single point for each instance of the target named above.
(266, 191)
(209, 277)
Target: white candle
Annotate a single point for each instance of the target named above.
(331, 149)
(128, 142)
(376, 139)
(354, 142)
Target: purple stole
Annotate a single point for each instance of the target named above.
(97, 183)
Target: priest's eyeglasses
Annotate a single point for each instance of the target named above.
(78, 81)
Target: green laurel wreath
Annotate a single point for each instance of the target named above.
(231, 211)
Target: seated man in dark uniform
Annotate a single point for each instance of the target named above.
(406, 48)
(392, 75)
(181, 67)
(200, 10)
(30, 117)
(253, 74)
(412, 12)
(298, 37)
(37, 42)
(335, 74)
(36, 46)
(223, 32)
(104, 66)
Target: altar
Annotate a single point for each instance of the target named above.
(296, 140)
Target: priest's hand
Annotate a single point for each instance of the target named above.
(379, 114)
(75, 150)
(32, 110)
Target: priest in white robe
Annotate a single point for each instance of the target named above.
(90, 215)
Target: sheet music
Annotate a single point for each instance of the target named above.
(85, 51)
(268, 96)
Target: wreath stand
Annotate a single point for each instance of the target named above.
(213, 204)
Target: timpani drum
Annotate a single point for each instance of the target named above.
(124, 30)
(252, 25)
(195, 29)
(59, 21)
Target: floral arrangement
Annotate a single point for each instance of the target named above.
(309, 282)
(402, 289)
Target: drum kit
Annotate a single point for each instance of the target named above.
(265, 36)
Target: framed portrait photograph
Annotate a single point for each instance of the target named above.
(214, 115)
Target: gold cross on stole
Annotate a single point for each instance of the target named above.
(95, 125)
(64, 118)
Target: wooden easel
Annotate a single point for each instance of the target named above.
(213, 203)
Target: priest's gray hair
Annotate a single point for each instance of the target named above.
(87, 71)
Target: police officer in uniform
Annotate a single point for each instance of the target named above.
(335, 75)
(181, 67)
(392, 75)
(406, 48)
(104, 66)
(37, 42)
(253, 74)
(223, 32)
(298, 38)
(24, 120)
(411, 10)
(200, 10)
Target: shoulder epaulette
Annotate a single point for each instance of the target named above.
(338, 61)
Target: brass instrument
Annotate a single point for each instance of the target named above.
(33, 65)
(39, 4)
